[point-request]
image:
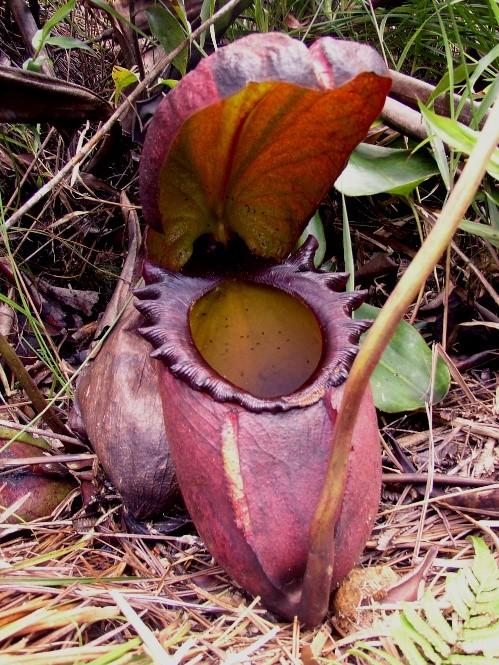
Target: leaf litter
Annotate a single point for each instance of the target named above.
(79, 587)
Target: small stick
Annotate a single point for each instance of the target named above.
(438, 479)
(481, 429)
(486, 284)
(6, 424)
(39, 402)
(46, 459)
(404, 119)
(135, 41)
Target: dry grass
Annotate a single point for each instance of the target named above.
(77, 587)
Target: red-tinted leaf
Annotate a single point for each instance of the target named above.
(33, 490)
(250, 141)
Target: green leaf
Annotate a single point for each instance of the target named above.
(458, 136)
(166, 28)
(179, 9)
(482, 230)
(484, 565)
(489, 98)
(459, 593)
(40, 36)
(495, 8)
(122, 78)
(373, 169)
(315, 228)
(470, 637)
(207, 10)
(366, 657)
(425, 630)
(406, 645)
(460, 73)
(67, 42)
(38, 40)
(347, 247)
(402, 378)
(482, 65)
(419, 639)
(114, 656)
(481, 639)
(360, 649)
(34, 65)
(482, 620)
(170, 83)
(436, 619)
(440, 157)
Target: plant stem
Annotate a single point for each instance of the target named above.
(39, 402)
(318, 574)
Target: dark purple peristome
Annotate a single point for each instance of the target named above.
(166, 303)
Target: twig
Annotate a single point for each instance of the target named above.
(476, 359)
(120, 111)
(409, 90)
(480, 525)
(46, 459)
(486, 284)
(481, 429)
(320, 565)
(404, 119)
(39, 402)
(39, 432)
(438, 479)
(436, 499)
(456, 374)
(135, 41)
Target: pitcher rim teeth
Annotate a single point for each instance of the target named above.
(166, 300)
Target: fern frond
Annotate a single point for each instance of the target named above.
(378, 657)
(426, 637)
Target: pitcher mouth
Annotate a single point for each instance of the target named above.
(209, 331)
(259, 338)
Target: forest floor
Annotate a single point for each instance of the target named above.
(80, 585)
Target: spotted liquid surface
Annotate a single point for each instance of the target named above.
(259, 338)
